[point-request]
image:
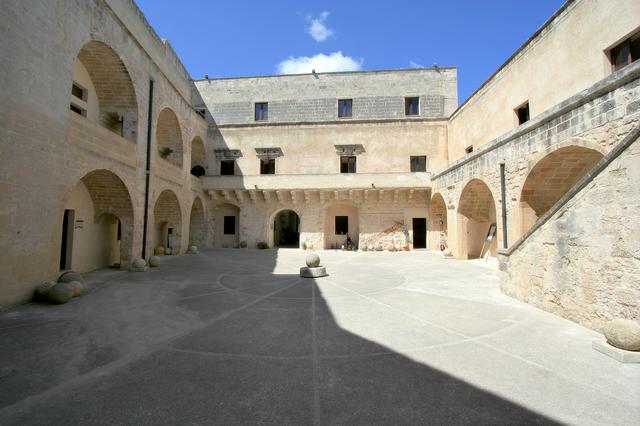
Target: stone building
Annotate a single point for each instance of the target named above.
(110, 150)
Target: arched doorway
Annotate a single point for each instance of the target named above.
(341, 222)
(437, 222)
(197, 157)
(167, 222)
(197, 225)
(97, 224)
(227, 226)
(476, 221)
(169, 137)
(286, 229)
(550, 179)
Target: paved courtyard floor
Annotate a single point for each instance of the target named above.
(236, 337)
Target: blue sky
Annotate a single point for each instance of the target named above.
(240, 38)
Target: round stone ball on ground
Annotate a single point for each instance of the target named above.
(78, 288)
(138, 263)
(60, 293)
(313, 260)
(154, 261)
(623, 334)
(67, 277)
(41, 292)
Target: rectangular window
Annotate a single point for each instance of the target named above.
(268, 166)
(78, 110)
(418, 163)
(523, 113)
(412, 106)
(227, 167)
(342, 225)
(348, 164)
(344, 108)
(469, 149)
(79, 92)
(262, 111)
(229, 225)
(625, 53)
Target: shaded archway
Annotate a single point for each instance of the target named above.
(197, 225)
(437, 222)
(476, 216)
(97, 225)
(197, 157)
(169, 137)
(550, 179)
(167, 222)
(286, 229)
(103, 92)
(341, 221)
(227, 226)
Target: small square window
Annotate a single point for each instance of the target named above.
(418, 163)
(469, 149)
(348, 164)
(412, 106)
(345, 108)
(229, 225)
(268, 166)
(523, 113)
(262, 111)
(78, 110)
(625, 52)
(227, 167)
(79, 92)
(342, 225)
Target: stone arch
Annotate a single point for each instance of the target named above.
(197, 157)
(226, 239)
(169, 137)
(437, 222)
(167, 222)
(197, 224)
(476, 214)
(331, 239)
(550, 178)
(107, 95)
(97, 225)
(284, 228)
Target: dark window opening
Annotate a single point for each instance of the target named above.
(200, 112)
(262, 111)
(119, 230)
(469, 149)
(229, 225)
(78, 110)
(78, 92)
(197, 171)
(342, 225)
(523, 113)
(626, 52)
(348, 164)
(345, 108)
(268, 166)
(227, 167)
(412, 106)
(418, 163)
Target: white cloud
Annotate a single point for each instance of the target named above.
(415, 65)
(317, 28)
(332, 62)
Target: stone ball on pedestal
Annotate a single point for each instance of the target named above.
(623, 334)
(60, 293)
(313, 260)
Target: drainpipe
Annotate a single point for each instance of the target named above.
(147, 171)
(503, 190)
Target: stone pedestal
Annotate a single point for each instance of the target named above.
(313, 272)
(626, 357)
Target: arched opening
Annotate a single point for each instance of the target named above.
(341, 225)
(476, 221)
(550, 179)
(197, 225)
(286, 229)
(103, 92)
(437, 222)
(197, 157)
(169, 137)
(97, 226)
(227, 226)
(167, 222)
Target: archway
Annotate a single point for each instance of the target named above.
(197, 225)
(476, 221)
(102, 90)
(197, 157)
(227, 226)
(97, 225)
(437, 222)
(167, 222)
(550, 179)
(169, 137)
(341, 222)
(286, 229)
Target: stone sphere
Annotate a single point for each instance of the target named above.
(154, 261)
(138, 263)
(159, 251)
(78, 288)
(60, 293)
(313, 260)
(623, 334)
(69, 276)
(41, 292)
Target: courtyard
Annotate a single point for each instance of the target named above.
(237, 337)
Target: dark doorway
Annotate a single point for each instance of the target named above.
(419, 232)
(286, 229)
(67, 239)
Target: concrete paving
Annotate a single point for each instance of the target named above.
(237, 337)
